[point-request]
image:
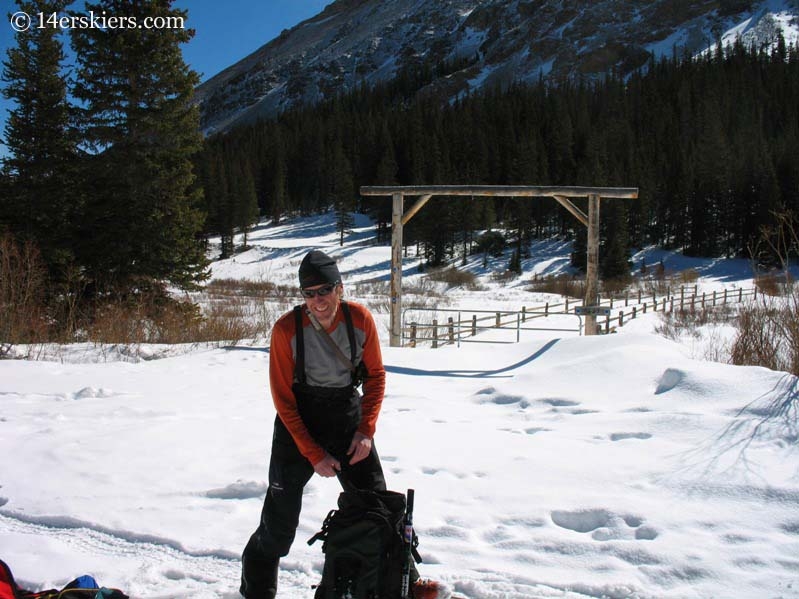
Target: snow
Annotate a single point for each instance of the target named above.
(617, 466)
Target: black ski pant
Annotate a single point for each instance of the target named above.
(289, 472)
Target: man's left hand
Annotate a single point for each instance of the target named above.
(360, 447)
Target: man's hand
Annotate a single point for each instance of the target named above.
(360, 447)
(328, 466)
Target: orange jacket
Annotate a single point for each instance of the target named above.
(323, 368)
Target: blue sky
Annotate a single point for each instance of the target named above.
(225, 31)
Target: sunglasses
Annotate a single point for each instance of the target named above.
(322, 291)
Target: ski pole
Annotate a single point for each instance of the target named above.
(408, 533)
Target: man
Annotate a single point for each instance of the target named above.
(323, 425)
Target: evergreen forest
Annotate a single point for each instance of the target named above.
(712, 143)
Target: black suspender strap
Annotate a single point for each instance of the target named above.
(350, 329)
(299, 363)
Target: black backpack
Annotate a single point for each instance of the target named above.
(364, 547)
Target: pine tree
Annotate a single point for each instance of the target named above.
(143, 215)
(342, 192)
(40, 200)
(279, 188)
(614, 262)
(245, 208)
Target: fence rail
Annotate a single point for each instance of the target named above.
(459, 329)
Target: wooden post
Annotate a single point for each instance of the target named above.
(621, 318)
(395, 336)
(524, 314)
(435, 333)
(451, 330)
(412, 342)
(592, 263)
(499, 323)
(474, 325)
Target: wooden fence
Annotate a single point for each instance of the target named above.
(463, 326)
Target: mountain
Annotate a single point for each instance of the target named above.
(476, 43)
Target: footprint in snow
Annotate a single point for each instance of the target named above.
(604, 525)
(238, 490)
(623, 436)
(560, 403)
(534, 430)
(92, 392)
(670, 378)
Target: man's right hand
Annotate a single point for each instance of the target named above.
(328, 466)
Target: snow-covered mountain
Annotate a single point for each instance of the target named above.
(484, 42)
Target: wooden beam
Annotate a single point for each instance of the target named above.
(574, 210)
(500, 190)
(415, 208)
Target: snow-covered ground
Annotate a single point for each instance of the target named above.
(617, 466)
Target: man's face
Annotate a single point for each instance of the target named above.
(323, 301)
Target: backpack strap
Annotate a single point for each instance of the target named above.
(299, 363)
(345, 308)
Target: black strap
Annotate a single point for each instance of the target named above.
(350, 329)
(299, 363)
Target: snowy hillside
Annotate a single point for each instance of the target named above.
(617, 466)
(478, 43)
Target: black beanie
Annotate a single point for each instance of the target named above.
(317, 268)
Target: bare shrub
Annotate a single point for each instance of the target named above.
(423, 287)
(770, 284)
(504, 276)
(565, 285)
(615, 287)
(688, 276)
(233, 321)
(155, 318)
(454, 277)
(768, 334)
(247, 288)
(769, 331)
(148, 317)
(680, 323)
(23, 280)
(365, 288)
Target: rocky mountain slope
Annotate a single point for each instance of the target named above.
(476, 43)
